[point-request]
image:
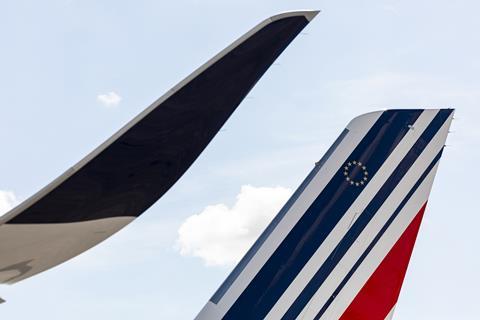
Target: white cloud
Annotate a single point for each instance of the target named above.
(7, 201)
(221, 235)
(110, 99)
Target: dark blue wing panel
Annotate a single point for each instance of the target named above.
(136, 169)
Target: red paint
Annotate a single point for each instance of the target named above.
(380, 293)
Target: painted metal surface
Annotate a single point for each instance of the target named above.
(130, 171)
(325, 245)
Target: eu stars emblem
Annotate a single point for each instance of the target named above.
(356, 173)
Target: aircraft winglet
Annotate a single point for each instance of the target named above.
(129, 172)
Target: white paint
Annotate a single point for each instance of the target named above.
(328, 287)
(381, 249)
(358, 128)
(38, 247)
(353, 213)
(390, 315)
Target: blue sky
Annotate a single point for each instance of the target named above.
(58, 57)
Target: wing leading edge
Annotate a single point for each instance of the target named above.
(129, 172)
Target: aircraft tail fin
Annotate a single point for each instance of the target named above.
(340, 247)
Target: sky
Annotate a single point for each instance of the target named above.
(73, 72)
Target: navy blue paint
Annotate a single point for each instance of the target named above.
(266, 233)
(331, 262)
(379, 235)
(319, 219)
(141, 165)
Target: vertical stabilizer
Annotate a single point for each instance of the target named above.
(340, 247)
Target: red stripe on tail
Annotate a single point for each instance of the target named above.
(380, 293)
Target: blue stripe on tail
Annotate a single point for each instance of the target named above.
(369, 212)
(379, 235)
(319, 219)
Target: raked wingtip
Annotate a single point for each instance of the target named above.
(308, 14)
(311, 14)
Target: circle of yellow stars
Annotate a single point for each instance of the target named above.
(350, 166)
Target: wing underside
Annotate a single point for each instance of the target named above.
(124, 176)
